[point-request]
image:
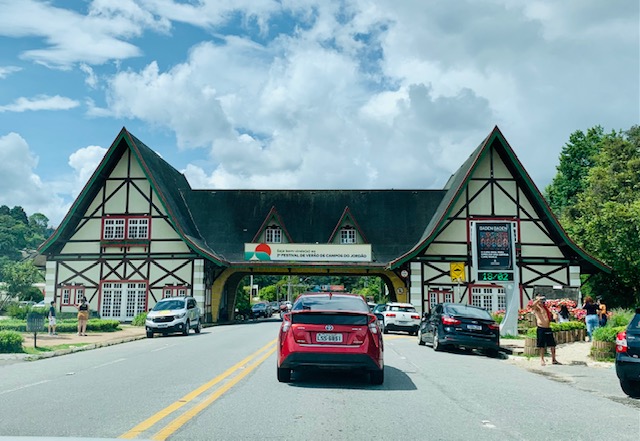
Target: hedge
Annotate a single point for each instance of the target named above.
(93, 325)
(10, 342)
(555, 327)
(607, 333)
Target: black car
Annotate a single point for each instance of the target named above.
(628, 357)
(261, 310)
(460, 325)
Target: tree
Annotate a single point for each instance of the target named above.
(18, 278)
(576, 159)
(606, 218)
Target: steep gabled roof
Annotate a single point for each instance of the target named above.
(460, 179)
(170, 186)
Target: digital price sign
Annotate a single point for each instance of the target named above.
(490, 276)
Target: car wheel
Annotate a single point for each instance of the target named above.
(284, 375)
(149, 334)
(420, 340)
(385, 330)
(493, 353)
(376, 377)
(185, 331)
(631, 388)
(199, 327)
(437, 346)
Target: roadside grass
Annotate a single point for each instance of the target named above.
(39, 350)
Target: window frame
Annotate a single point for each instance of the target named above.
(73, 296)
(127, 223)
(174, 291)
(275, 232)
(348, 236)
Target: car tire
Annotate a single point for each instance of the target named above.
(631, 388)
(420, 340)
(185, 331)
(284, 375)
(376, 377)
(149, 334)
(493, 353)
(385, 330)
(436, 345)
(199, 327)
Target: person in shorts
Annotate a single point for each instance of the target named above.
(52, 318)
(544, 333)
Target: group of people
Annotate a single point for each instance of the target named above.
(596, 315)
(83, 317)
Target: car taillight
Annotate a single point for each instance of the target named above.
(450, 321)
(390, 314)
(286, 322)
(373, 324)
(494, 326)
(415, 316)
(621, 342)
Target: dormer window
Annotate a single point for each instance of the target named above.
(348, 235)
(273, 234)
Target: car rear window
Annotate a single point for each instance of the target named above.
(331, 303)
(468, 311)
(402, 308)
(329, 318)
(635, 323)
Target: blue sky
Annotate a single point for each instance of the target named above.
(302, 93)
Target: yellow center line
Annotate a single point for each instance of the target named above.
(180, 421)
(154, 419)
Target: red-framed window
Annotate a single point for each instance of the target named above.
(175, 291)
(126, 228)
(71, 294)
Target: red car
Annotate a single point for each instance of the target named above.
(328, 330)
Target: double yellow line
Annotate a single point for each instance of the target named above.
(182, 419)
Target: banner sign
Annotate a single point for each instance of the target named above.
(298, 252)
(494, 246)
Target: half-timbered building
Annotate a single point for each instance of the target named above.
(138, 232)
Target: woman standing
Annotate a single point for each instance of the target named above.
(591, 319)
(83, 316)
(563, 314)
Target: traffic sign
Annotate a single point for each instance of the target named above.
(457, 271)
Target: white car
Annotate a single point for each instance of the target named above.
(174, 314)
(401, 317)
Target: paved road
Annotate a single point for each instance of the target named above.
(221, 385)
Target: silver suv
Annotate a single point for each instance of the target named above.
(174, 314)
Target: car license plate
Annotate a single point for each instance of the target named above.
(474, 327)
(329, 338)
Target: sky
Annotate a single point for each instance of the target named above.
(304, 94)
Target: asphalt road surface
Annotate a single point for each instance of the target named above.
(221, 385)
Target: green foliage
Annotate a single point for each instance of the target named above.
(555, 327)
(620, 317)
(607, 333)
(498, 317)
(64, 326)
(139, 319)
(19, 278)
(10, 342)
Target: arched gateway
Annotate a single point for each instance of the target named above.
(138, 232)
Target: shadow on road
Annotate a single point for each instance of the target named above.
(395, 379)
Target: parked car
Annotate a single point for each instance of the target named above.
(326, 330)
(275, 307)
(460, 325)
(174, 314)
(401, 317)
(261, 310)
(26, 303)
(628, 357)
(379, 308)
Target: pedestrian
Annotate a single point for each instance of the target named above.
(544, 334)
(602, 312)
(563, 314)
(52, 318)
(591, 319)
(83, 316)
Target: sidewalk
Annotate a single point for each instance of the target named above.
(95, 340)
(576, 354)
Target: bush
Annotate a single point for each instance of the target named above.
(555, 327)
(607, 333)
(15, 311)
(620, 317)
(139, 319)
(93, 325)
(10, 342)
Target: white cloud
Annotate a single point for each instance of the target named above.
(91, 79)
(5, 71)
(84, 162)
(20, 185)
(40, 102)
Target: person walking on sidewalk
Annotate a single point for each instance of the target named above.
(544, 333)
(83, 316)
(591, 319)
(52, 318)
